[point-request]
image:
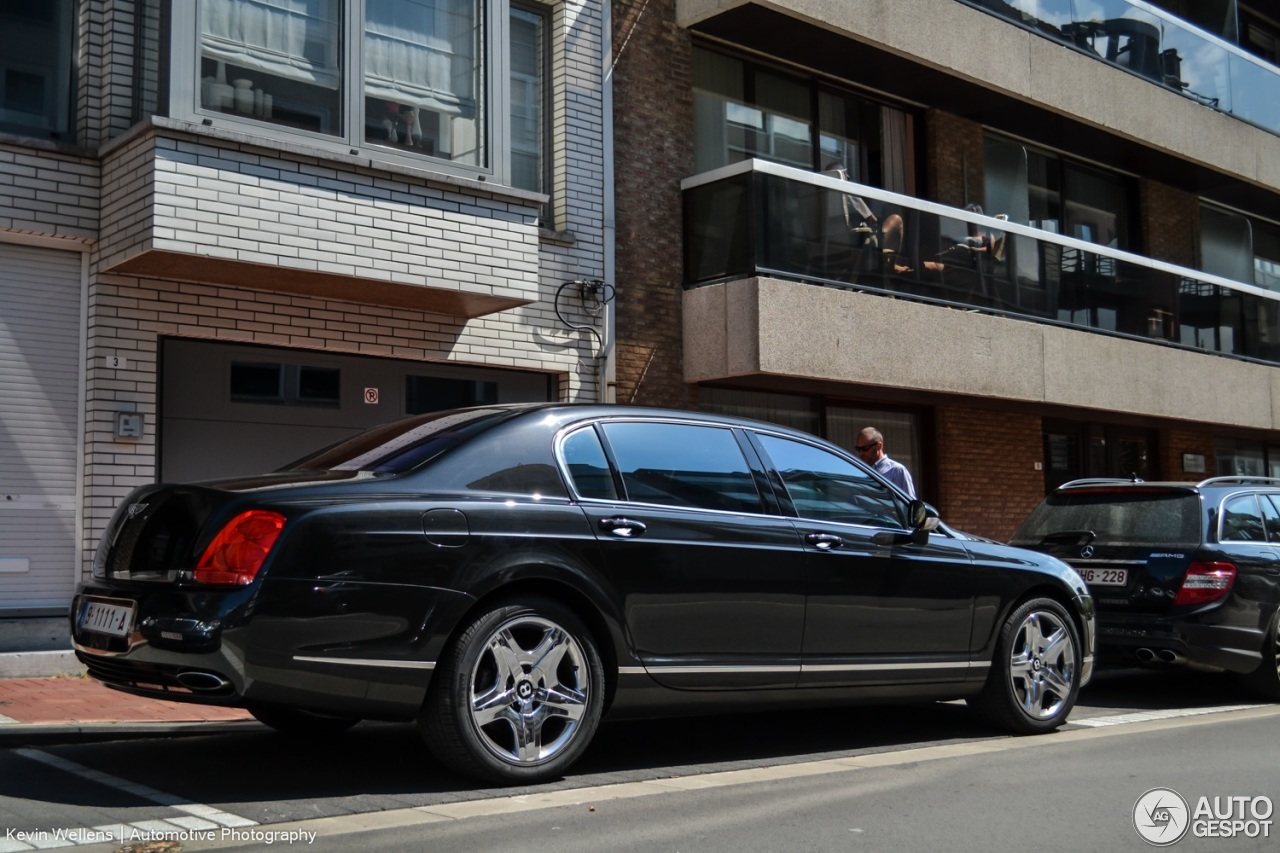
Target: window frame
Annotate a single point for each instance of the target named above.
(494, 91)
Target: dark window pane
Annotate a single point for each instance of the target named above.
(259, 383)
(1241, 521)
(319, 385)
(825, 486)
(435, 394)
(1131, 518)
(1271, 514)
(683, 465)
(588, 466)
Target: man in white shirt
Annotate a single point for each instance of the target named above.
(870, 447)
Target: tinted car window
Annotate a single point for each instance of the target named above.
(588, 467)
(683, 465)
(1129, 517)
(823, 485)
(1271, 516)
(1242, 520)
(401, 445)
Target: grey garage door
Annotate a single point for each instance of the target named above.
(228, 410)
(40, 367)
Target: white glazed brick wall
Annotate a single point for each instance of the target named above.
(47, 192)
(245, 203)
(343, 218)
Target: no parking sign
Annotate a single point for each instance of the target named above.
(371, 396)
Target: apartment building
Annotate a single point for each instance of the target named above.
(233, 231)
(1029, 240)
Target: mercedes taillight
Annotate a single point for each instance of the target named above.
(1206, 583)
(236, 554)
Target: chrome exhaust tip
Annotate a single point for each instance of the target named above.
(203, 682)
(1145, 655)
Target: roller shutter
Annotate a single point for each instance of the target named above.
(40, 365)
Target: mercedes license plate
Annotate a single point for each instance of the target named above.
(113, 616)
(1105, 577)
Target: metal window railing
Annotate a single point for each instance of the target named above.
(757, 218)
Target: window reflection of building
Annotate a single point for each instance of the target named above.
(419, 64)
(35, 68)
(743, 110)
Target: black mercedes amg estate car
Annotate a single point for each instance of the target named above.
(1183, 574)
(506, 575)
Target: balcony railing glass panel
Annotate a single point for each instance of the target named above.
(1165, 49)
(764, 219)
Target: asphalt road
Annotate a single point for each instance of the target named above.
(879, 778)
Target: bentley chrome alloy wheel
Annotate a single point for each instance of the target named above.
(1042, 666)
(529, 690)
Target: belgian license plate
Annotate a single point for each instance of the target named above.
(1105, 577)
(107, 616)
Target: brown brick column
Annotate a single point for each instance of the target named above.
(653, 151)
(1174, 443)
(1170, 223)
(987, 476)
(953, 159)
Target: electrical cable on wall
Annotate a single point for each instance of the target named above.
(595, 295)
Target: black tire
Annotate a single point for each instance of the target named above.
(1035, 673)
(1265, 680)
(296, 722)
(487, 714)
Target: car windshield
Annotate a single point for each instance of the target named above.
(1128, 517)
(401, 445)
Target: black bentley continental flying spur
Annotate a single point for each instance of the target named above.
(506, 575)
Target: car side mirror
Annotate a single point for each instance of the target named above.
(921, 518)
(924, 520)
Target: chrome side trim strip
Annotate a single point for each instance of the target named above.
(834, 667)
(717, 670)
(391, 664)
(884, 667)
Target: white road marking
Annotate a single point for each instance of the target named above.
(199, 818)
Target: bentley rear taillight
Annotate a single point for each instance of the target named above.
(236, 554)
(1206, 583)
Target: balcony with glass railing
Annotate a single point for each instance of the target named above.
(1159, 46)
(757, 218)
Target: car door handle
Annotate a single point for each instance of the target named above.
(623, 528)
(824, 541)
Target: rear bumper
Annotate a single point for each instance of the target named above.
(1232, 648)
(302, 644)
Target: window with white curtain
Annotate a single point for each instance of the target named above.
(393, 78)
(274, 60)
(529, 27)
(423, 63)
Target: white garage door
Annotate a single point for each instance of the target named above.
(40, 361)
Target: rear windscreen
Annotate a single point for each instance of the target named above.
(401, 445)
(1124, 518)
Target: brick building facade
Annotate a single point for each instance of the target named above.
(993, 423)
